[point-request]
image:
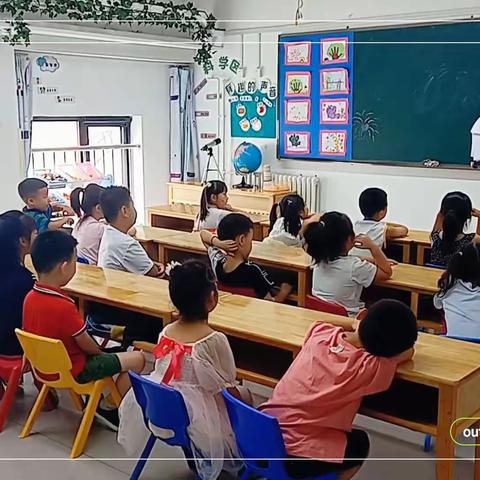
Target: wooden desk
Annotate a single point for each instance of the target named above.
(182, 217)
(448, 368)
(418, 238)
(253, 201)
(279, 257)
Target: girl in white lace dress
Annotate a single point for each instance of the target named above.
(198, 362)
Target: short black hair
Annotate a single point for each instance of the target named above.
(112, 200)
(234, 225)
(326, 238)
(190, 285)
(371, 201)
(51, 248)
(28, 223)
(30, 186)
(388, 329)
(11, 231)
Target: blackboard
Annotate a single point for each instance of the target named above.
(416, 93)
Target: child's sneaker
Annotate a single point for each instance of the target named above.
(108, 417)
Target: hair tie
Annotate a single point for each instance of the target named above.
(322, 223)
(460, 253)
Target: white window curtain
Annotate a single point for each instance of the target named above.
(23, 72)
(184, 152)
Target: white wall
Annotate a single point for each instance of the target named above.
(414, 193)
(118, 88)
(9, 143)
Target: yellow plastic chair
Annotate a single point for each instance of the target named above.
(49, 359)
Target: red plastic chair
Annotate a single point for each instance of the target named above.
(246, 292)
(11, 370)
(315, 303)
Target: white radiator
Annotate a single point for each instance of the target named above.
(306, 186)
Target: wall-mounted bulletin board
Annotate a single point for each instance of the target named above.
(316, 95)
(413, 94)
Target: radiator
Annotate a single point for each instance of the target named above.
(306, 186)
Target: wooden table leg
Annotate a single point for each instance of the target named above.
(406, 253)
(420, 255)
(82, 307)
(161, 253)
(414, 298)
(445, 447)
(302, 288)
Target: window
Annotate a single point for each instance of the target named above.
(63, 141)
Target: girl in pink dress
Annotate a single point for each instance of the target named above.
(198, 362)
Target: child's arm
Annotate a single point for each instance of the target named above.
(405, 356)
(311, 219)
(282, 295)
(87, 344)
(384, 268)
(476, 214)
(211, 240)
(438, 225)
(396, 230)
(58, 207)
(60, 223)
(157, 270)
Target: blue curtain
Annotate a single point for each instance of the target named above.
(23, 72)
(184, 151)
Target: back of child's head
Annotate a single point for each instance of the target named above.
(84, 200)
(326, 238)
(213, 187)
(372, 201)
(50, 249)
(190, 287)
(234, 225)
(28, 223)
(465, 266)
(11, 231)
(291, 208)
(29, 187)
(456, 209)
(112, 200)
(388, 329)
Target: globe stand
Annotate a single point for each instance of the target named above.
(243, 184)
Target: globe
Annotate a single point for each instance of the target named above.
(247, 158)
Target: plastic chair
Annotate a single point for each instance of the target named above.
(163, 407)
(83, 260)
(99, 330)
(11, 371)
(259, 437)
(438, 267)
(51, 365)
(315, 303)
(246, 292)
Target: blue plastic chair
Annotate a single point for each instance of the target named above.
(165, 408)
(259, 439)
(427, 445)
(433, 265)
(83, 260)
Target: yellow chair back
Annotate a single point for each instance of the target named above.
(48, 358)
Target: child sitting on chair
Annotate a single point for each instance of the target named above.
(49, 312)
(198, 362)
(317, 399)
(229, 254)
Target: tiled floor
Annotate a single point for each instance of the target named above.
(44, 455)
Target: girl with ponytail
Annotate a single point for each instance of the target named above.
(337, 276)
(213, 206)
(447, 235)
(459, 294)
(90, 227)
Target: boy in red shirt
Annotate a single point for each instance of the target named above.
(49, 312)
(317, 399)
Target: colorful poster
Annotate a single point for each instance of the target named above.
(298, 84)
(334, 81)
(298, 53)
(333, 142)
(334, 50)
(297, 142)
(334, 111)
(252, 113)
(297, 112)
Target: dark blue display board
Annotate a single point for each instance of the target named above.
(315, 96)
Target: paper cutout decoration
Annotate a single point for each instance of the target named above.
(333, 142)
(298, 53)
(256, 124)
(334, 50)
(334, 81)
(245, 125)
(334, 111)
(297, 112)
(261, 109)
(298, 84)
(241, 110)
(297, 142)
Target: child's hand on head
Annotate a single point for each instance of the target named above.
(476, 213)
(228, 246)
(364, 242)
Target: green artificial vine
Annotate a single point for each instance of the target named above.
(185, 18)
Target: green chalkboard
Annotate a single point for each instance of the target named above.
(416, 93)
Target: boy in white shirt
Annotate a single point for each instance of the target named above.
(374, 207)
(118, 250)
